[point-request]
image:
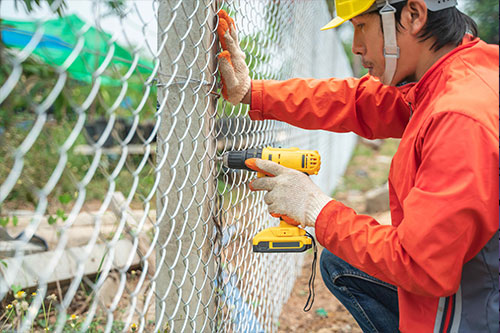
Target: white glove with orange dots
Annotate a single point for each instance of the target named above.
(233, 69)
(291, 193)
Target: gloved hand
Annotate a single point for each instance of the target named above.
(290, 192)
(234, 71)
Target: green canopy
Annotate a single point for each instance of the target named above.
(60, 39)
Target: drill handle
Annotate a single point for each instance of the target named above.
(286, 221)
(286, 225)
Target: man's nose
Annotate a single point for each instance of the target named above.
(357, 45)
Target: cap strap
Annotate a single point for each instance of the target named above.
(391, 49)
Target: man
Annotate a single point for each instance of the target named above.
(435, 269)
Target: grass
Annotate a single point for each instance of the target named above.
(41, 160)
(364, 171)
(15, 308)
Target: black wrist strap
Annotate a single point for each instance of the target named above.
(310, 299)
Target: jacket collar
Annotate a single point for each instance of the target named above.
(417, 90)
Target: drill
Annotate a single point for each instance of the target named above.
(286, 237)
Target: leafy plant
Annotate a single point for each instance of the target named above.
(60, 213)
(65, 199)
(17, 116)
(31, 4)
(4, 221)
(485, 13)
(15, 288)
(12, 316)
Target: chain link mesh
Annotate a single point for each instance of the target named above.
(116, 214)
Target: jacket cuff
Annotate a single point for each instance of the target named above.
(256, 111)
(317, 203)
(324, 220)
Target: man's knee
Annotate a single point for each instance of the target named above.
(331, 265)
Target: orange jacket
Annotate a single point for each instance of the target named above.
(443, 182)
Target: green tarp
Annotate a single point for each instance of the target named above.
(61, 37)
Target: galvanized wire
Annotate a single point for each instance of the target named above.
(114, 168)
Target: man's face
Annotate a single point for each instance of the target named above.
(368, 42)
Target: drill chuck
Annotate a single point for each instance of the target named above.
(236, 159)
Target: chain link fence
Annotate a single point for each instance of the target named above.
(116, 214)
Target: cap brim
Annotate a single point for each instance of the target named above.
(334, 23)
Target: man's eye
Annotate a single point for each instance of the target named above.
(360, 26)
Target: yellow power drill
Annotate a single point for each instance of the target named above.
(286, 237)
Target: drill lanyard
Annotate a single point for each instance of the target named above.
(310, 299)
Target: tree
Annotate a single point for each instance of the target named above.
(485, 13)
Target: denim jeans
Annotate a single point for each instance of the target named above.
(373, 303)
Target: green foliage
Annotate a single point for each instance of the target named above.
(115, 7)
(228, 10)
(365, 171)
(100, 266)
(256, 61)
(322, 313)
(60, 213)
(32, 4)
(15, 288)
(17, 116)
(16, 311)
(485, 13)
(65, 198)
(331, 7)
(350, 56)
(52, 220)
(4, 221)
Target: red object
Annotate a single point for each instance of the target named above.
(443, 180)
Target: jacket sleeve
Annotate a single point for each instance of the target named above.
(449, 215)
(364, 106)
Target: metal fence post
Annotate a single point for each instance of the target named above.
(185, 291)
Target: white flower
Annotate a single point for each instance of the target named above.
(24, 305)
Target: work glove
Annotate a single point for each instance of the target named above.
(233, 69)
(291, 193)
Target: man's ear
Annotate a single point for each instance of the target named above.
(414, 16)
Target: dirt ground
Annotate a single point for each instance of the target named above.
(327, 314)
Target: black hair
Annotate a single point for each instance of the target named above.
(447, 26)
